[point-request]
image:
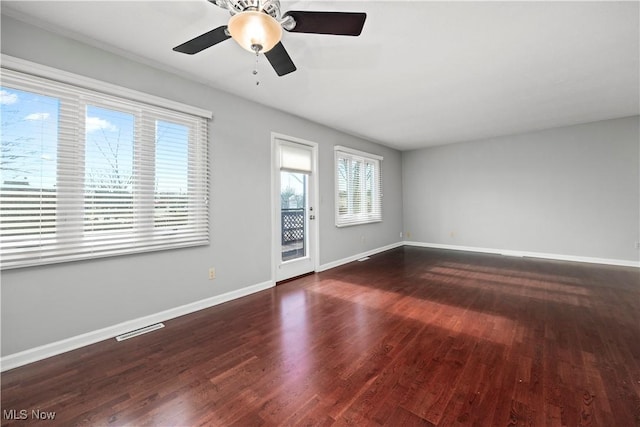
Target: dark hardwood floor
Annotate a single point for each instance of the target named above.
(410, 337)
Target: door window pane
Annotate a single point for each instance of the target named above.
(293, 214)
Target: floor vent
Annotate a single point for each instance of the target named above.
(140, 331)
(363, 259)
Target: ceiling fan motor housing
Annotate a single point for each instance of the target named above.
(270, 7)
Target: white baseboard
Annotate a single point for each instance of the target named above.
(356, 257)
(48, 350)
(507, 252)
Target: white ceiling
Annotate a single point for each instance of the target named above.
(421, 74)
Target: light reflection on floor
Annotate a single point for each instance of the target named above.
(529, 288)
(423, 310)
(294, 339)
(571, 282)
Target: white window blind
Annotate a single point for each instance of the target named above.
(295, 157)
(86, 174)
(358, 193)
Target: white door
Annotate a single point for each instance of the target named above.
(295, 212)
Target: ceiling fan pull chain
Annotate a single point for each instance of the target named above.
(255, 70)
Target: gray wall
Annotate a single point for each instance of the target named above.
(46, 304)
(570, 191)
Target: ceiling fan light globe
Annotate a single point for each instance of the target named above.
(252, 28)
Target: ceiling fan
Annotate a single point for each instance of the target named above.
(257, 26)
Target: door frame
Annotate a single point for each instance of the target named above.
(276, 246)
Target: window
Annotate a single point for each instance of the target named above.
(358, 187)
(86, 174)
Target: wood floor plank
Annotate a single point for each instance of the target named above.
(412, 336)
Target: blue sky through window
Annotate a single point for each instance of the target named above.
(29, 138)
(109, 149)
(29, 141)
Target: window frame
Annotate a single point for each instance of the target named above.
(35, 78)
(350, 219)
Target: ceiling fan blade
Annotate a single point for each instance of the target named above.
(280, 60)
(203, 41)
(336, 23)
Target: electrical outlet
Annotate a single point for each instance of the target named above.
(212, 273)
(637, 245)
(401, 234)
